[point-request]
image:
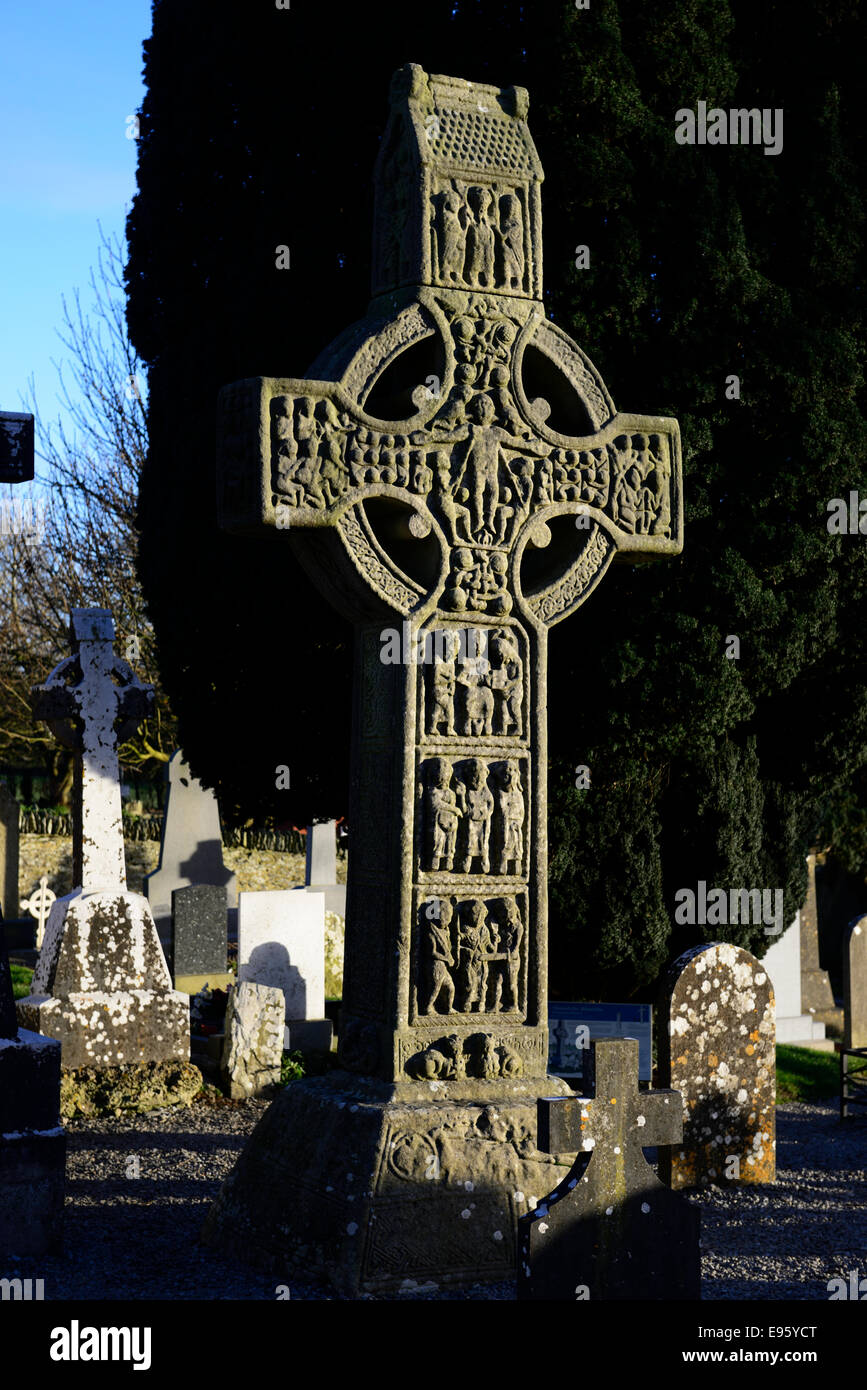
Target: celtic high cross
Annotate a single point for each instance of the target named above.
(453, 463)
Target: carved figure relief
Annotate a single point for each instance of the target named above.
(460, 810)
(478, 696)
(470, 955)
(478, 237)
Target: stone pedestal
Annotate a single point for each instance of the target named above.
(370, 1185)
(32, 1146)
(102, 987)
(320, 874)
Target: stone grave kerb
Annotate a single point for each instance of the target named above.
(432, 491)
(610, 1229)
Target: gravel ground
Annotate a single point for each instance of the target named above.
(138, 1189)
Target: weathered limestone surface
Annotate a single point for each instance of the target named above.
(253, 1046)
(133, 1087)
(855, 984)
(469, 516)
(717, 1047)
(610, 1229)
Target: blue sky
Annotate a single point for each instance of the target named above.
(69, 77)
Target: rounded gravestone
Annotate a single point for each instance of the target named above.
(717, 1047)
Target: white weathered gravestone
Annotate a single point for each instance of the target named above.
(855, 984)
(101, 985)
(253, 1045)
(281, 943)
(320, 875)
(716, 1046)
(783, 964)
(191, 847)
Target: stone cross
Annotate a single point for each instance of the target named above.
(421, 482)
(92, 701)
(454, 476)
(610, 1230)
(39, 906)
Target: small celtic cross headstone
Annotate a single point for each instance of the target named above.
(611, 1229)
(429, 489)
(39, 906)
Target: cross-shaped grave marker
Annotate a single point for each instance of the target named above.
(101, 985)
(39, 905)
(611, 1229)
(91, 702)
(428, 489)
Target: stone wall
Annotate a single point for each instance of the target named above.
(258, 870)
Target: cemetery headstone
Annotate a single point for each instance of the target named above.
(8, 852)
(321, 867)
(444, 1017)
(817, 997)
(782, 961)
(573, 1026)
(101, 985)
(253, 1045)
(39, 905)
(32, 1138)
(716, 1045)
(610, 1229)
(191, 845)
(281, 943)
(855, 984)
(199, 937)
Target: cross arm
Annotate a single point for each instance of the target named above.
(299, 453)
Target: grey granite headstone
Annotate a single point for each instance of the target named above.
(8, 853)
(191, 848)
(199, 923)
(782, 961)
(610, 1229)
(321, 869)
(855, 984)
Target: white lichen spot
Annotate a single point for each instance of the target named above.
(609, 1211)
(645, 1207)
(466, 1214)
(498, 1235)
(352, 1228)
(640, 1121)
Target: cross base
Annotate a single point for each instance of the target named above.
(370, 1185)
(102, 987)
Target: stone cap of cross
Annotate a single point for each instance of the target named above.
(618, 1120)
(93, 696)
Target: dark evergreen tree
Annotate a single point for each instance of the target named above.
(260, 129)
